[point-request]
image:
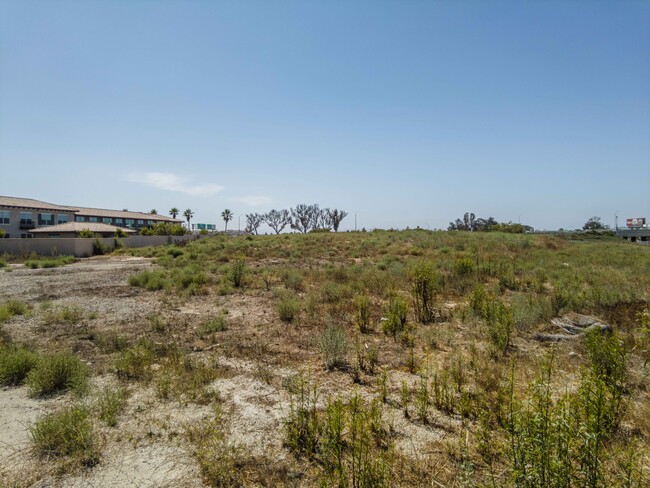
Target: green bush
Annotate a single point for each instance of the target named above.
(333, 345)
(237, 272)
(175, 252)
(67, 433)
(288, 308)
(422, 289)
(11, 308)
(215, 324)
(396, 317)
(15, 364)
(362, 314)
(150, 280)
(111, 403)
(134, 363)
(58, 372)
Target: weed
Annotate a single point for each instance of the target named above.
(134, 363)
(15, 364)
(68, 433)
(111, 403)
(58, 372)
(12, 308)
(362, 314)
(288, 308)
(237, 272)
(333, 345)
(396, 317)
(422, 289)
(215, 324)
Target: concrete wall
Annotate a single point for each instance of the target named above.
(80, 247)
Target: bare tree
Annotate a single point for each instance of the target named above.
(335, 217)
(253, 222)
(468, 220)
(277, 219)
(303, 218)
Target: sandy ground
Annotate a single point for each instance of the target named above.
(148, 448)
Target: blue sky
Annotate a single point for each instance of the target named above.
(406, 113)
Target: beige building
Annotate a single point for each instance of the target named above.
(72, 229)
(19, 216)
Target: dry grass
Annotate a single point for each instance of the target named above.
(388, 317)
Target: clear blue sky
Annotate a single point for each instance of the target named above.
(407, 113)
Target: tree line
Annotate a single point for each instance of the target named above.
(303, 218)
(470, 223)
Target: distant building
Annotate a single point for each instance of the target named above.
(72, 229)
(19, 216)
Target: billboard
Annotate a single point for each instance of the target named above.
(636, 222)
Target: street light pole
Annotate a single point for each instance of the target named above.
(239, 224)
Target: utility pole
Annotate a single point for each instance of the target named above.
(355, 221)
(239, 224)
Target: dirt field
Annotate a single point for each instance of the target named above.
(211, 366)
(147, 448)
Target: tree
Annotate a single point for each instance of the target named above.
(277, 220)
(303, 217)
(335, 218)
(253, 221)
(594, 223)
(153, 211)
(188, 214)
(174, 212)
(469, 219)
(227, 216)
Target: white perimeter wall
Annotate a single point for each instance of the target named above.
(81, 247)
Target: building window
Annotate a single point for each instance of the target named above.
(26, 218)
(7, 236)
(107, 220)
(140, 222)
(62, 219)
(4, 217)
(92, 219)
(54, 235)
(118, 222)
(45, 219)
(79, 218)
(129, 222)
(149, 222)
(26, 236)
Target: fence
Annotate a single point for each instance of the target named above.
(81, 247)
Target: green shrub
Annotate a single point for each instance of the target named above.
(175, 252)
(134, 363)
(422, 289)
(15, 364)
(396, 317)
(293, 279)
(58, 372)
(333, 345)
(237, 272)
(362, 314)
(150, 280)
(464, 267)
(215, 324)
(288, 308)
(12, 308)
(111, 403)
(67, 433)
(86, 234)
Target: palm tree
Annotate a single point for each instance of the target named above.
(188, 214)
(174, 212)
(153, 211)
(226, 215)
